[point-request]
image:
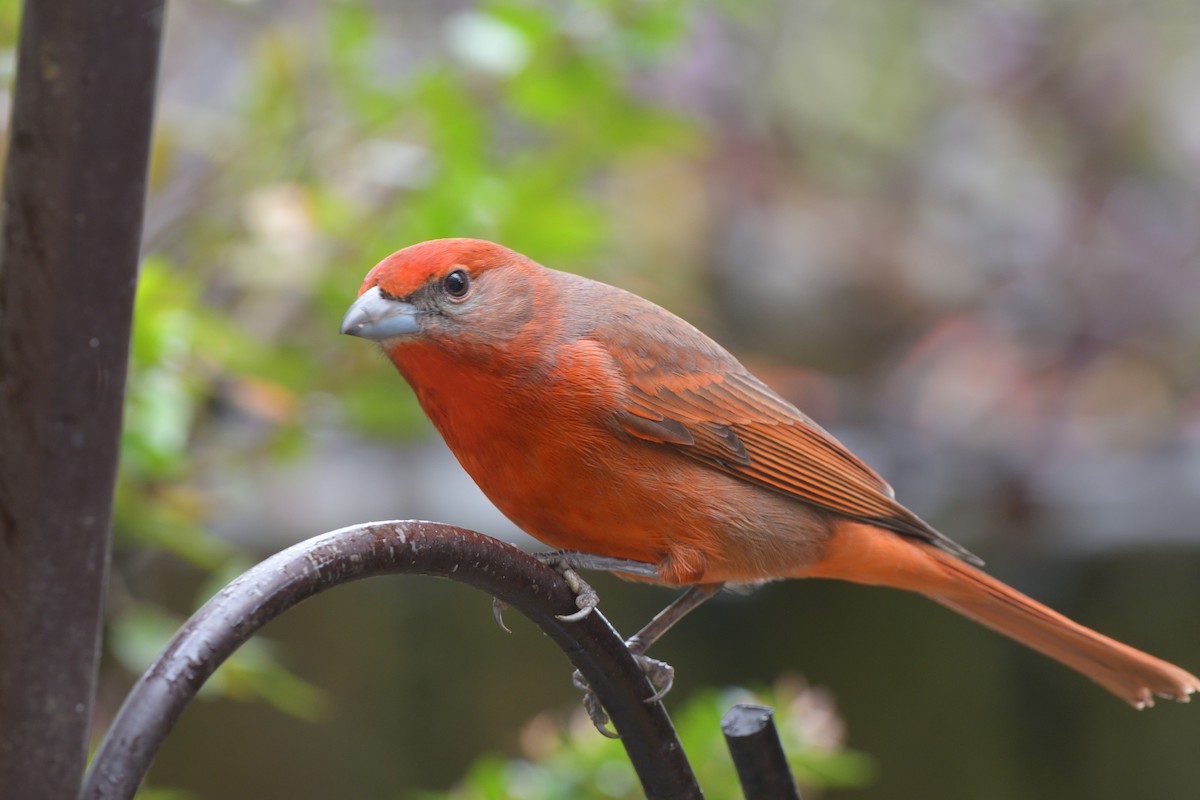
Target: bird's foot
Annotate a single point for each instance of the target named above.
(586, 598)
(660, 674)
(591, 704)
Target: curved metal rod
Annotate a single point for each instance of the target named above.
(426, 548)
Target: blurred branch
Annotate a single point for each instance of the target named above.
(425, 548)
(74, 193)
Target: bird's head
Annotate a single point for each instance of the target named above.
(448, 291)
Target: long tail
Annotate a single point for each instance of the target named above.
(865, 554)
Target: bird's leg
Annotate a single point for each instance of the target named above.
(660, 674)
(565, 562)
(578, 560)
(664, 620)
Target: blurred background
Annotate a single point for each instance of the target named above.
(965, 237)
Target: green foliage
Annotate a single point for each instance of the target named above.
(576, 763)
(253, 671)
(154, 504)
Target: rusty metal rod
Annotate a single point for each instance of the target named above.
(424, 548)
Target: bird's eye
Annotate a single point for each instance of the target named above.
(457, 284)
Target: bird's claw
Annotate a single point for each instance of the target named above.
(586, 598)
(660, 674)
(591, 704)
(498, 607)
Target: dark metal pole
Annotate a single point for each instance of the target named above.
(267, 590)
(758, 755)
(74, 191)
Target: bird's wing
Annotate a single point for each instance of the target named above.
(736, 423)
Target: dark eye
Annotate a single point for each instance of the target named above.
(457, 284)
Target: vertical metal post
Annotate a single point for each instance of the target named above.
(758, 755)
(74, 194)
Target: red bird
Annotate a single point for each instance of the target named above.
(599, 422)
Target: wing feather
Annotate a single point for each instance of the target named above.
(686, 392)
(739, 425)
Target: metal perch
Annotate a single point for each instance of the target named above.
(425, 548)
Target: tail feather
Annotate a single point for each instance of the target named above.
(1130, 674)
(864, 554)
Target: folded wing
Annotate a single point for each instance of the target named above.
(737, 424)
